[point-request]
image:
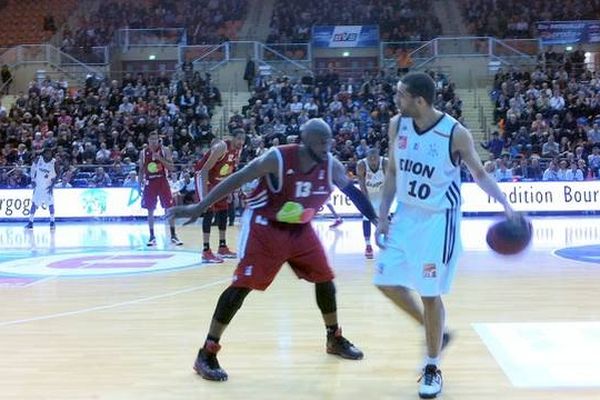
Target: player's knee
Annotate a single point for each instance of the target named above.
(325, 292)
(230, 301)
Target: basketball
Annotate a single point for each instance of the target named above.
(509, 237)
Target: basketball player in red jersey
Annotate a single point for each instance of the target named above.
(291, 183)
(155, 162)
(216, 165)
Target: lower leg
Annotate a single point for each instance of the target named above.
(151, 222)
(51, 209)
(404, 300)
(206, 224)
(434, 314)
(336, 343)
(32, 212)
(222, 224)
(366, 225)
(229, 303)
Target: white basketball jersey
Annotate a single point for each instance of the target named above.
(44, 172)
(426, 175)
(374, 179)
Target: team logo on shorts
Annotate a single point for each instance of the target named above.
(429, 271)
(402, 142)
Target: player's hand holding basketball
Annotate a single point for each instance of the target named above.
(383, 228)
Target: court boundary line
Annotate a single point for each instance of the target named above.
(114, 305)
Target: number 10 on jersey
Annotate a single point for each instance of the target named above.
(421, 191)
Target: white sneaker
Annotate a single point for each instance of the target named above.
(151, 242)
(431, 382)
(175, 240)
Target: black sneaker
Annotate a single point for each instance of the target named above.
(175, 240)
(207, 365)
(340, 346)
(431, 382)
(29, 225)
(52, 226)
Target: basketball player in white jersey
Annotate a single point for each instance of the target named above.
(422, 243)
(370, 173)
(44, 173)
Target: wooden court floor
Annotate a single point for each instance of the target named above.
(523, 325)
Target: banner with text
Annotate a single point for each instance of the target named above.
(345, 36)
(76, 203)
(535, 197)
(568, 32)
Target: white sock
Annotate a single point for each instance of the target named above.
(51, 217)
(368, 241)
(432, 361)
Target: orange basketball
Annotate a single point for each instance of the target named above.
(510, 236)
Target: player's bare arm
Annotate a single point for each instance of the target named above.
(389, 185)
(341, 180)
(217, 151)
(267, 164)
(361, 175)
(167, 160)
(464, 149)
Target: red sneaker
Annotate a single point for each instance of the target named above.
(224, 252)
(337, 223)
(209, 258)
(369, 252)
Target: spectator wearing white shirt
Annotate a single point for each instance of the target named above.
(296, 106)
(562, 171)
(551, 173)
(502, 173)
(557, 102)
(574, 173)
(103, 155)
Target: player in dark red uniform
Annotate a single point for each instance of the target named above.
(216, 165)
(155, 162)
(291, 183)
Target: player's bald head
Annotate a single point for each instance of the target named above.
(316, 136)
(315, 127)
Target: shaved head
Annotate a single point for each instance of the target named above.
(316, 136)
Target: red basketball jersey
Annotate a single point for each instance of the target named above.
(153, 169)
(223, 167)
(293, 197)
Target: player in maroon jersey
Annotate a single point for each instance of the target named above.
(155, 162)
(216, 165)
(291, 183)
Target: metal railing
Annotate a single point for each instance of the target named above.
(509, 52)
(128, 38)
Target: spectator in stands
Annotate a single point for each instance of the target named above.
(551, 173)
(574, 173)
(550, 149)
(100, 178)
(502, 172)
(494, 145)
(6, 77)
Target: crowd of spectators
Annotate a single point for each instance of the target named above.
(358, 112)
(205, 21)
(398, 20)
(548, 121)
(517, 18)
(98, 132)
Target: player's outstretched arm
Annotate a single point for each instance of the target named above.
(462, 144)
(341, 180)
(267, 164)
